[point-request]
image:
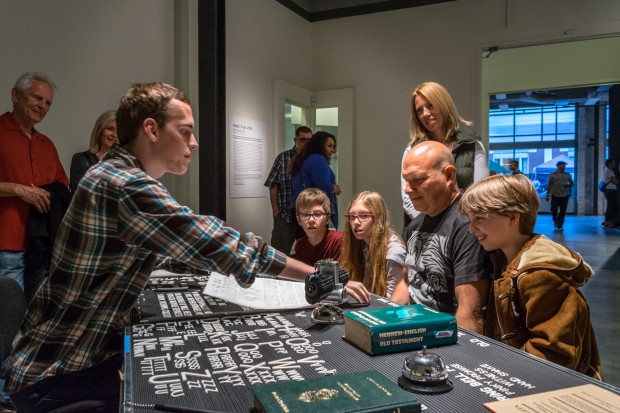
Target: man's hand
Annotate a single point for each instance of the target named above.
(547, 197)
(33, 195)
(336, 190)
(358, 291)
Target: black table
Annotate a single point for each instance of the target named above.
(210, 360)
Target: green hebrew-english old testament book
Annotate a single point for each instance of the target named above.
(366, 391)
(394, 329)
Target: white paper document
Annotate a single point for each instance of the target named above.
(264, 294)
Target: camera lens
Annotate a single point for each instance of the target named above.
(318, 286)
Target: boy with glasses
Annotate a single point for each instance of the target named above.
(312, 208)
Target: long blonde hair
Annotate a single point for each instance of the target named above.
(353, 254)
(101, 123)
(438, 96)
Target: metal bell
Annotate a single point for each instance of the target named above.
(424, 372)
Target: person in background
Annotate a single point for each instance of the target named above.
(535, 303)
(102, 138)
(611, 193)
(514, 167)
(120, 222)
(285, 229)
(558, 186)
(310, 169)
(313, 211)
(371, 251)
(434, 117)
(28, 160)
(447, 269)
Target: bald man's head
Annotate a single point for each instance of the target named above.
(429, 171)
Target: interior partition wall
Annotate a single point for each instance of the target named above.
(212, 107)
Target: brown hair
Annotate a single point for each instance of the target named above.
(143, 101)
(310, 197)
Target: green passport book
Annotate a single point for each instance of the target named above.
(394, 329)
(366, 391)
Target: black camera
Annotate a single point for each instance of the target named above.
(327, 283)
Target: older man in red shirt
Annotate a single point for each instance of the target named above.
(28, 160)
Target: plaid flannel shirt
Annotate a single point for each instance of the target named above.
(280, 179)
(120, 222)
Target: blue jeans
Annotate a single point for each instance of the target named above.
(12, 265)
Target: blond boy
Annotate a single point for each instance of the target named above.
(535, 303)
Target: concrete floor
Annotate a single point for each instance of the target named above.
(599, 247)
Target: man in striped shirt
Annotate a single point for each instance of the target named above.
(120, 223)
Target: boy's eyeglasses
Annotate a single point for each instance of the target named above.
(316, 216)
(361, 217)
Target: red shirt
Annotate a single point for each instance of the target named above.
(328, 248)
(23, 161)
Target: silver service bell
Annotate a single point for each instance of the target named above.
(424, 372)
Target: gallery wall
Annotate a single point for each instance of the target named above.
(264, 41)
(383, 56)
(93, 50)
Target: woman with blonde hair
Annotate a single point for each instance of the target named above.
(102, 138)
(434, 117)
(371, 251)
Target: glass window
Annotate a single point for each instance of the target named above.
(527, 123)
(532, 124)
(566, 121)
(501, 124)
(536, 163)
(549, 122)
(536, 134)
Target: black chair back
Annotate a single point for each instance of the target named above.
(12, 310)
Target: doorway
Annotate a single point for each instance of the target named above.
(541, 71)
(325, 110)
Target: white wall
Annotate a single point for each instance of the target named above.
(385, 55)
(264, 40)
(549, 66)
(93, 50)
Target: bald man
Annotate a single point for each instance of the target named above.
(447, 268)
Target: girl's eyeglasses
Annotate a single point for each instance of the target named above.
(361, 217)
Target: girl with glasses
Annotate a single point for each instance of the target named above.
(371, 251)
